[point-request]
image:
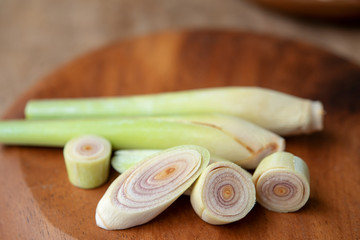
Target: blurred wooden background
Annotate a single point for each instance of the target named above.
(37, 36)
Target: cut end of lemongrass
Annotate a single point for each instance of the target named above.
(87, 160)
(316, 117)
(224, 193)
(148, 188)
(282, 182)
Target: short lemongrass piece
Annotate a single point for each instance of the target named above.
(87, 160)
(124, 159)
(282, 182)
(147, 189)
(224, 193)
(225, 136)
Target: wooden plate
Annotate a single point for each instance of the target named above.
(38, 202)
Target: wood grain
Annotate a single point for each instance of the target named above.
(38, 202)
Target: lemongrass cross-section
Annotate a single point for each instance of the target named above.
(148, 188)
(87, 160)
(224, 193)
(282, 182)
(125, 159)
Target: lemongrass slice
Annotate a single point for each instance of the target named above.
(224, 193)
(282, 182)
(87, 160)
(281, 113)
(125, 159)
(145, 190)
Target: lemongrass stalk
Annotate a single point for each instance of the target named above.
(87, 160)
(282, 182)
(224, 193)
(147, 189)
(281, 113)
(125, 159)
(228, 137)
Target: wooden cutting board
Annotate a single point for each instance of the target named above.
(38, 202)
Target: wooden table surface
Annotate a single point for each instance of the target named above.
(38, 202)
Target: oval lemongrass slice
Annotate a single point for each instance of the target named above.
(282, 182)
(125, 159)
(87, 160)
(224, 193)
(145, 190)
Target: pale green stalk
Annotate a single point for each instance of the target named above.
(278, 112)
(125, 159)
(227, 137)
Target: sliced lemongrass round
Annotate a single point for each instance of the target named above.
(282, 182)
(148, 188)
(87, 160)
(125, 159)
(224, 193)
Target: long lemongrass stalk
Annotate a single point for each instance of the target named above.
(281, 113)
(227, 137)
